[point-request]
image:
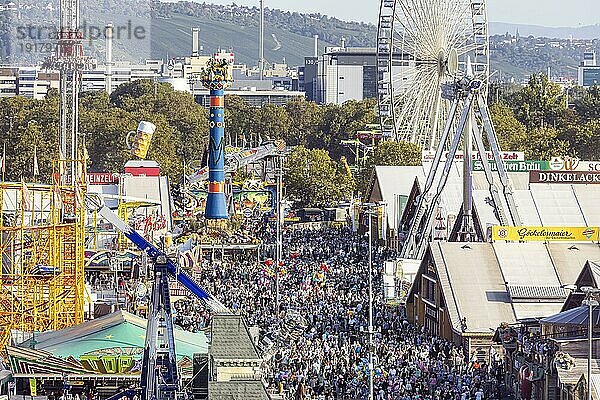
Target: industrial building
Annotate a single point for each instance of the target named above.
(347, 74)
(588, 73)
(278, 86)
(340, 74)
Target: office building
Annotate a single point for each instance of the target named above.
(343, 74)
(588, 73)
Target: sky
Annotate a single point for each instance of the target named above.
(551, 13)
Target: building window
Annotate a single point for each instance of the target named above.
(429, 290)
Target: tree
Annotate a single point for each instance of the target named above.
(543, 144)
(270, 122)
(313, 179)
(106, 144)
(164, 146)
(357, 114)
(395, 153)
(510, 132)
(585, 139)
(306, 120)
(539, 103)
(189, 122)
(27, 124)
(341, 122)
(238, 115)
(138, 95)
(587, 104)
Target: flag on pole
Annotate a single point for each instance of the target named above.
(36, 169)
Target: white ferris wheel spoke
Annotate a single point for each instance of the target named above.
(423, 35)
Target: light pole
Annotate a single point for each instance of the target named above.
(370, 214)
(114, 264)
(278, 250)
(591, 302)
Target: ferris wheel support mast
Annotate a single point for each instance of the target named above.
(474, 121)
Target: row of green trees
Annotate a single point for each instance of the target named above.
(103, 124)
(534, 119)
(543, 120)
(540, 119)
(182, 132)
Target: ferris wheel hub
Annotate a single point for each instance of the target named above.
(447, 62)
(442, 63)
(423, 51)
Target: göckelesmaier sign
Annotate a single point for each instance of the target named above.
(545, 233)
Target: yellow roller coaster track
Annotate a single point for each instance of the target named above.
(42, 230)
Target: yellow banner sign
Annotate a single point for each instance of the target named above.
(33, 387)
(546, 233)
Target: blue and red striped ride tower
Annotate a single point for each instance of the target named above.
(216, 77)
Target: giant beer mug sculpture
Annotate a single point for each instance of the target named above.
(141, 141)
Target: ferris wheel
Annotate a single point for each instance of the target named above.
(423, 45)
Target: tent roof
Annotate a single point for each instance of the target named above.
(119, 330)
(475, 285)
(491, 283)
(237, 390)
(231, 338)
(391, 181)
(575, 316)
(570, 258)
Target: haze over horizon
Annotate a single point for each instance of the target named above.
(548, 13)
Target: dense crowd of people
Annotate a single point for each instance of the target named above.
(315, 339)
(316, 344)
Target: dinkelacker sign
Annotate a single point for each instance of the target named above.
(571, 177)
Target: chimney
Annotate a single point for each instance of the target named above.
(195, 42)
(109, 61)
(261, 41)
(316, 45)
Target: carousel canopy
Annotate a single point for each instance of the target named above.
(116, 333)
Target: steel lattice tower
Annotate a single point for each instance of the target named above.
(70, 62)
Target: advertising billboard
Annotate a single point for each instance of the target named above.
(545, 233)
(429, 155)
(573, 177)
(515, 166)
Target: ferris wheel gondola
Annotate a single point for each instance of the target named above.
(423, 45)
